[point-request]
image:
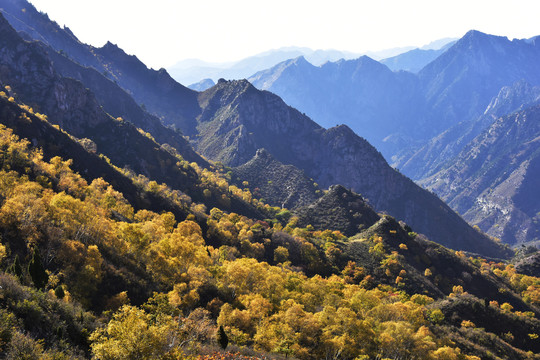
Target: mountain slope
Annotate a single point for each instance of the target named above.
(440, 150)
(279, 185)
(460, 83)
(338, 209)
(155, 89)
(494, 180)
(30, 75)
(118, 103)
(238, 119)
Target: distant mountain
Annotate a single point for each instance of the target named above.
(238, 119)
(193, 70)
(202, 85)
(440, 150)
(414, 60)
(362, 93)
(398, 112)
(494, 180)
(460, 84)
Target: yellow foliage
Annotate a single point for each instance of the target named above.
(132, 334)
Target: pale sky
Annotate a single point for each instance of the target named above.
(162, 32)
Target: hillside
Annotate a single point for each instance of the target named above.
(160, 94)
(279, 185)
(493, 179)
(440, 150)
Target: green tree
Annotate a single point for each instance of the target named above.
(37, 271)
(222, 338)
(16, 268)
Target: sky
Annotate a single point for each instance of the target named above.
(163, 32)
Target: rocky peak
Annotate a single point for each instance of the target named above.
(263, 154)
(512, 98)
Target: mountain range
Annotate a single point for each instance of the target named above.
(143, 219)
(192, 71)
(400, 111)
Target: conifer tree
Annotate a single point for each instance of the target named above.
(16, 268)
(222, 338)
(37, 271)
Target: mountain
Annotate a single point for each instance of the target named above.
(354, 92)
(460, 83)
(118, 103)
(193, 71)
(414, 60)
(122, 249)
(493, 181)
(31, 77)
(160, 94)
(237, 119)
(202, 85)
(440, 150)
(399, 112)
(190, 71)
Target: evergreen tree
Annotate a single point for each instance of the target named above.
(16, 268)
(37, 271)
(222, 338)
(59, 292)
